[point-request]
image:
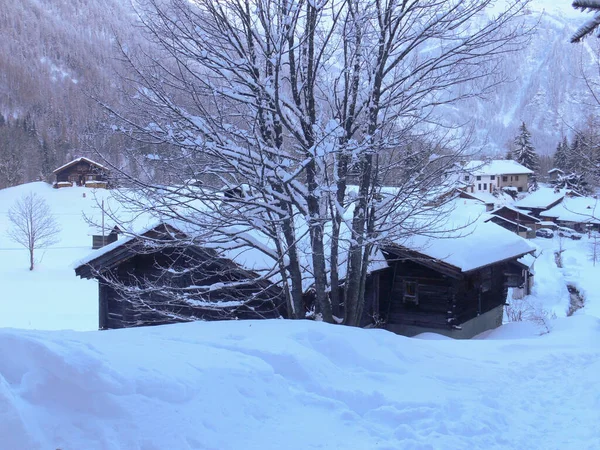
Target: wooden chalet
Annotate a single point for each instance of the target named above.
(456, 287)
(543, 199)
(82, 172)
(516, 227)
(515, 220)
(128, 272)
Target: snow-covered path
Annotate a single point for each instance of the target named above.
(300, 385)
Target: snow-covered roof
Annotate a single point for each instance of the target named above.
(518, 211)
(543, 198)
(504, 219)
(75, 161)
(248, 248)
(527, 260)
(485, 197)
(496, 167)
(470, 243)
(555, 170)
(575, 209)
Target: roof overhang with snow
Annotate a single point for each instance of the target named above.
(78, 160)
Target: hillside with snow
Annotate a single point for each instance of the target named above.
(56, 56)
(544, 85)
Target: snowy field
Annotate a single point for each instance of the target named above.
(278, 384)
(300, 385)
(50, 297)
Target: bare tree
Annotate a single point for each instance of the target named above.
(33, 225)
(292, 113)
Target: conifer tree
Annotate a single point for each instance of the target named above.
(524, 153)
(561, 157)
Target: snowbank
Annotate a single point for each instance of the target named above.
(298, 385)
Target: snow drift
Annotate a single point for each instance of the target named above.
(298, 385)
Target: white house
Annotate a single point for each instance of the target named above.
(485, 176)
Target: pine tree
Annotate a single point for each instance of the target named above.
(524, 152)
(561, 157)
(575, 160)
(590, 25)
(46, 160)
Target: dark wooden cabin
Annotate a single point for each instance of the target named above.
(516, 215)
(125, 271)
(515, 227)
(82, 172)
(417, 293)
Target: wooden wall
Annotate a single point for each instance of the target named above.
(118, 309)
(443, 301)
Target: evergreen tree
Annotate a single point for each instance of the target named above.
(524, 153)
(575, 160)
(46, 160)
(561, 157)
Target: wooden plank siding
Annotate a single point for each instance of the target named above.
(134, 281)
(444, 301)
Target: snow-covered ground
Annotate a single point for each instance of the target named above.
(299, 385)
(282, 384)
(50, 297)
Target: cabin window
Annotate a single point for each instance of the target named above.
(478, 177)
(492, 177)
(479, 186)
(467, 177)
(486, 279)
(411, 294)
(484, 186)
(516, 177)
(504, 178)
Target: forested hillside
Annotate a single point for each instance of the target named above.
(55, 55)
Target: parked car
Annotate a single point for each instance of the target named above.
(545, 233)
(569, 233)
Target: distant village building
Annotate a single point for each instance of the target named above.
(486, 176)
(82, 172)
(555, 174)
(515, 220)
(543, 199)
(579, 213)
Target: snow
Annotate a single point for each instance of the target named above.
(78, 160)
(289, 384)
(518, 211)
(575, 209)
(542, 198)
(467, 242)
(496, 167)
(299, 385)
(50, 297)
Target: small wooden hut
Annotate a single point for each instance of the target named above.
(82, 172)
(133, 279)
